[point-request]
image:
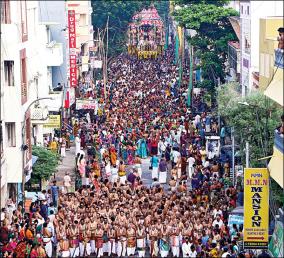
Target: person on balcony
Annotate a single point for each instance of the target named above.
(280, 38)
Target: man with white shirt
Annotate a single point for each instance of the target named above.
(217, 221)
(186, 248)
(190, 161)
(114, 173)
(192, 252)
(175, 157)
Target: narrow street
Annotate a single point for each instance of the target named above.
(141, 129)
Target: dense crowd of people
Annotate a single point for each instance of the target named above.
(183, 213)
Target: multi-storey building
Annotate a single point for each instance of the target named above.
(271, 81)
(27, 55)
(250, 13)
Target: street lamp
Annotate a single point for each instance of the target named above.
(24, 147)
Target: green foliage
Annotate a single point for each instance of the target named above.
(214, 2)
(276, 193)
(213, 31)
(250, 121)
(46, 164)
(120, 13)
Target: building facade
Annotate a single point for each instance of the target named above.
(271, 81)
(27, 58)
(250, 14)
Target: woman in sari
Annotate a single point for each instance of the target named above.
(143, 149)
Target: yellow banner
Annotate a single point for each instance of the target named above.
(256, 208)
(181, 40)
(53, 121)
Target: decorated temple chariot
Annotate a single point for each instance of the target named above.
(146, 36)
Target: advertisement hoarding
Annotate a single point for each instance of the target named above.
(256, 208)
(72, 48)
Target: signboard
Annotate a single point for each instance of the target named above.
(256, 208)
(72, 48)
(235, 219)
(73, 71)
(72, 28)
(86, 104)
(53, 121)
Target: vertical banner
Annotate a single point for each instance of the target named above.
(67, 100)
(72, 29)
(72, 48)
(73, 71)
(256, 208)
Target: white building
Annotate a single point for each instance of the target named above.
(26, 60)
(250, 14)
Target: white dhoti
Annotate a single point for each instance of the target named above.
(85, 249)
(65, 254)
(190, 172)
(175, 246)
(74, 251)
(123, 180)
(48, 246)
(105, 247)
(93, 246)
(121, 248)
(111, 247)
(130, 251)
(155, 173)
(100, 252)
(141, 246)
(175, 250)
(63, 152)
(139, 170)
(163, 177)
(114, 178)
(164, 253)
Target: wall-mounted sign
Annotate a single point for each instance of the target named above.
(86, 104)
(256, 208)
(53, 121)
(72, 48)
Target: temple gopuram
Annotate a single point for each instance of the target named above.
(146, 36)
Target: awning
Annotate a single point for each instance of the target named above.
(275, 166)
(275, 89)
(34, 159)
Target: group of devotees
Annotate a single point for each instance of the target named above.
(185, 210)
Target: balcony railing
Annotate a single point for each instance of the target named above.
(278, 140)
(279, 58)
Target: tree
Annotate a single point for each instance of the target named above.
(250, 125)
(45, 165)
(250, 121)
(120, 13)
(213, 31)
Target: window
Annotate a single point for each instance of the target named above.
(24, 26)
(247, 10)
(242, 9)
(24, 90)
(5, 12)
(83, 20)
(245, 63)
(9, 73)
(11, 134)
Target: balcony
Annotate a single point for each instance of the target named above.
(279, 58)
(39, 115)
(54, 54)
(278, 140)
